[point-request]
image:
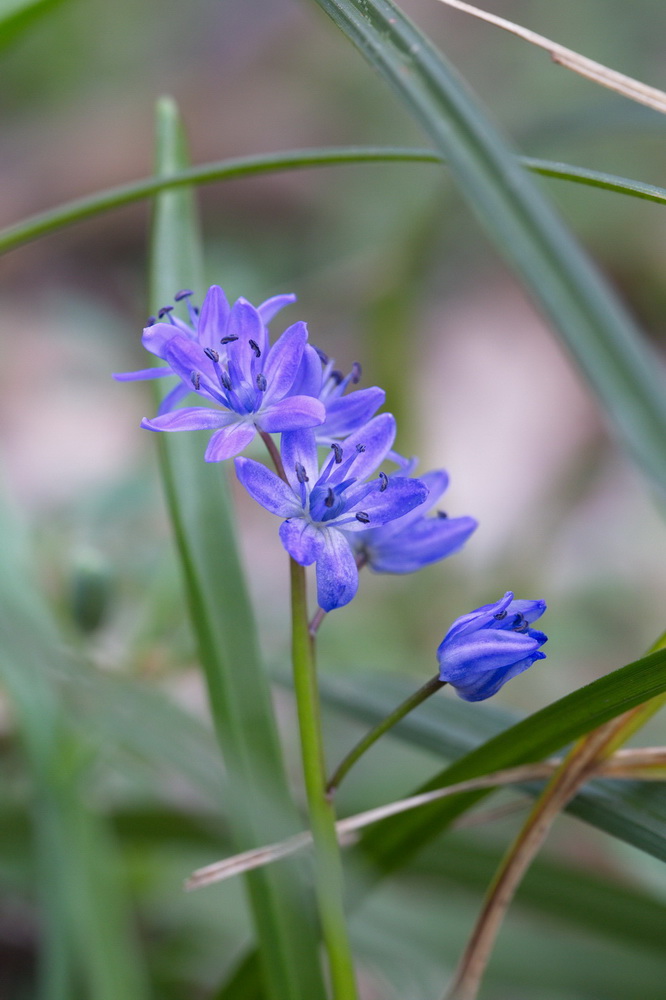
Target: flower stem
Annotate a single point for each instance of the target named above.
(328, 866)
(434, 684)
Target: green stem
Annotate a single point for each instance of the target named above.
(328, 866)
(434, 684)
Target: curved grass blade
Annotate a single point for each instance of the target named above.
(18, 15)
(258, 798)
(392, 842)
(92, 205)
(595, 327)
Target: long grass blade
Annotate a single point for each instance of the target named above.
(258, 798)
(601, 336)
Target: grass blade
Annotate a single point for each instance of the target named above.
(595, 327)
(92, 205)
(199, 504)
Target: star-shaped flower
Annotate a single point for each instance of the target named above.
(322, 506)
(207, 327)
(248, 379)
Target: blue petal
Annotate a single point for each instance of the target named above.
(267, 488)
(302, 540)
(425, 542)
(398, 497)
(156, 338)
(346, 413)
(299, 448)
(190, 418)
(290, 414)
(375, 438)
(481, 617)
(245, 324)
(283, 361)
(463, 658)
(213, 318)
(229, 442)
(144, 373)
(337, 575)
(480, 688)
(271, 307)
(309, 375)
(178, 392)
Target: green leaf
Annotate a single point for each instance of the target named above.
(595, 327)
(634, 811)
(259, 805)
(17, 15)
(393, 841)
(80, 209)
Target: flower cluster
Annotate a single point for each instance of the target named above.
(340, 510)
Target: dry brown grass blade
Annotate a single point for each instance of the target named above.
(347, 828)
(580, 764)
(591, 70)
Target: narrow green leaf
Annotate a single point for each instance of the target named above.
(393, 841)
(259, 803)
(598, 332)
(17, 15)
(81, 209)
(634, 811)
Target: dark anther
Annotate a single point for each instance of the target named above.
(322, 357)
(151, 321)
(301, 474)
(255, 347)
(360, 448)
(443, 516)
(261, 382)
(337, 451)
(228, 340)
(500, 615)
(362, 517)
(518, 622)
(182, 294)
(330, 498)
(225, 380)
(210, 353)
(356, 373)
(164, 311)
(195, 378)
(384, 481)
(336, 376)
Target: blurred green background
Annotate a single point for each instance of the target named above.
(390, 270)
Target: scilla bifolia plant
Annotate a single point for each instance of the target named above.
(348, 504)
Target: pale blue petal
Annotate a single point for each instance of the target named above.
(299, 448)
(464, 656)
(309, 376)
(302, 540)
(144, 373)
(284, 358)
(229, 442)
(337, 575)
(346, 413)
(290, 414)
(375, 438)
(266, 488)
(426, 542)
(399, 496)
(213, 318)
(271, 307)
(190, 418)
(156, 338)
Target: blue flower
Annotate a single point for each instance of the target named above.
(248, 379)
(321, 507)
(412, 541)
(489, 646)
(207, 327)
